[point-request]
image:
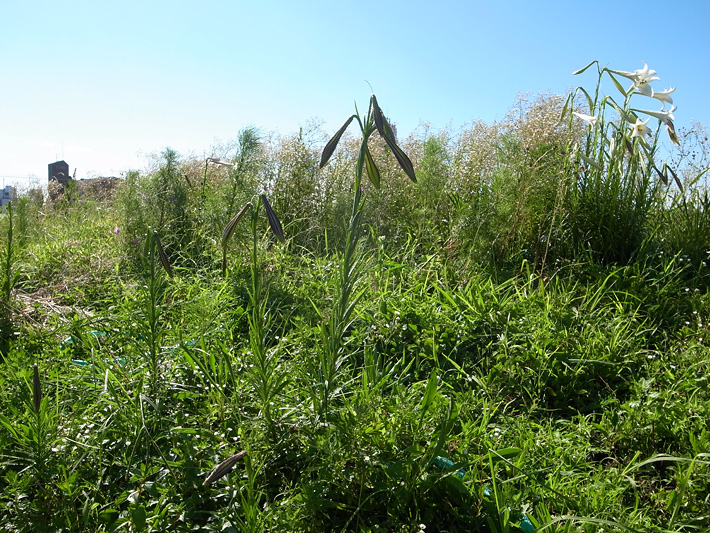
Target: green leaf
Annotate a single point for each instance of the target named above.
(139, 515)
(333, 143)
(504, 454)
(429, 393)
(583, 69)
(273, 220)
(232, 224)
(675, 177)
(372, 171)
(590, 102)
(565, 108)
(618, 85)
(623, 114)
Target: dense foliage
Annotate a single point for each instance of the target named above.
(527, 345)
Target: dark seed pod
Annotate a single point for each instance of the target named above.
(36, 389)
(333, 143)
(223, 468)
(273, 220)
(162, 255)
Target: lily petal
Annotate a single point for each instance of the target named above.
(663, 116)
(664, 96)
(589, 119)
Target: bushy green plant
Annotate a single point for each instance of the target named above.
(615, 179)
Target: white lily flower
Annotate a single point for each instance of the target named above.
(640, 129)
(645, 76)
(589, 119)
(664, 96)
(663, 116)
(641, 78)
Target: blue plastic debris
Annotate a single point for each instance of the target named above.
(443, 463)
(525, 523)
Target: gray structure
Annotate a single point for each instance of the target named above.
(7, 195)
(59, 171)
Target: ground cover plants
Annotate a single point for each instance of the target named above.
(502, 329)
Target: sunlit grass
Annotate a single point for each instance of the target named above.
(447, 365)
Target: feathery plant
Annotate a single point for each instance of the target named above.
(332, 355)
(613, 170)
(244, 165)
(265, 376)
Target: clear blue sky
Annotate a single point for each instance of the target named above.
(100, 83)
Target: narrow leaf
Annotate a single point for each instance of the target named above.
(663, 177)
(333, 143)
(228, 231)
(675, 177)
(590, 102)
(232, 224)
(565, 107)
(623, 114)
(273, 220)
(162, 255)
(372, 171)
(223, 468)
(429, 393)
(618, 85)
(583, 69)
(504, 454)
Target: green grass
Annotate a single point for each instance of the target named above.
(581, 396)
(471, 387)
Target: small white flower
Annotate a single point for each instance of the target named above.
(664, 96)
(640, 129)
(589, 119)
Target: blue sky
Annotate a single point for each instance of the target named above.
(102, 84)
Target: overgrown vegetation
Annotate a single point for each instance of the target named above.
(515, 342)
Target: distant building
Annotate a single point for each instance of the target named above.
(59, 171)
(58, 178)
(7, 195)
